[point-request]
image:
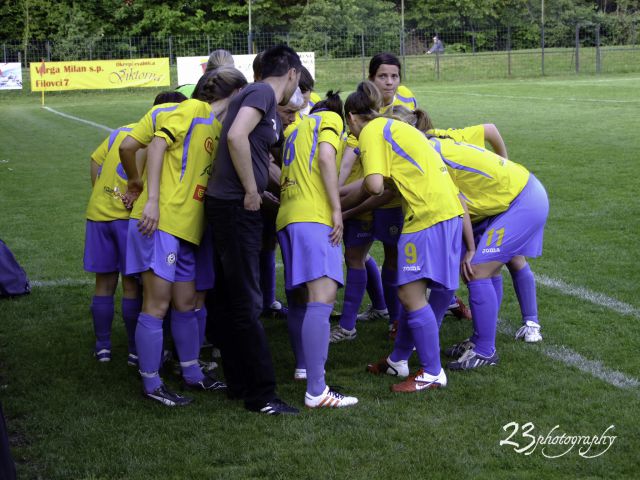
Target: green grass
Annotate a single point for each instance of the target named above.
(70, 418)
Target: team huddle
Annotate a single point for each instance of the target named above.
(189, 203)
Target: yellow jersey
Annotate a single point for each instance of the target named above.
(146, 126)
(473, 135)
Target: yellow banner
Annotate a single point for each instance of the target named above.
(99, 74)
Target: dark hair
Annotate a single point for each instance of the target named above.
(169, 97)
(383, 59)
(257, 66)
(218, 58)
(276, 61)
(332, 103)
(306, 82)
(418, 118)
(218, 84)
(366, 100)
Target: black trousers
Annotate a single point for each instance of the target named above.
(237, 302)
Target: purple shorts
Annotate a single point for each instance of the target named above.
(204, 261)
(387, 225)
(432, 253)
(308, 255)
(519, 230)
(170, 258)
(357, 233)
(105, 246)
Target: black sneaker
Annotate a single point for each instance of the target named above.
(166, 397)
(208, 383)
(277, 407)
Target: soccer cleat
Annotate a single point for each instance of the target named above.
(132, 360)
(393, 330)
(300, 374)
(103, 355)
(386, 366)
(329, 399)
(459, 310)
(277, 407)
(371, 314)
(339, 334)
(208, 384)
(470, 360)
(458, 349)
(168, 398)
(207, 366)
(275, 310)
(421, 381)
(529, 332)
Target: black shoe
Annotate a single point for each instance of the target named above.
(166, 397)
(208, 383)
(277, 407)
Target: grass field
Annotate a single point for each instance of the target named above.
(71, 418)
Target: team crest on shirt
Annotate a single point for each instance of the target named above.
(208, 145)
(198, 193)
(171, 258)
(393, 230)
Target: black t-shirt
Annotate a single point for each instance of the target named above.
(224, 182)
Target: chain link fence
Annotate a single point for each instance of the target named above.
(342, 57)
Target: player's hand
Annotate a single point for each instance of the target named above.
(134, 189)
(252, 201)
(465, 266)
(335, 237)
(149, 219)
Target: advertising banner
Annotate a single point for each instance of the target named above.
(99, 74)
(190, 69)
(10, 76)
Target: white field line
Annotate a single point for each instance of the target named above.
(78, 119)
(524, 97)
(585, 294)
(61, 282)
(570, 358)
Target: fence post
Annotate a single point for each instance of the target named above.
(438, 65)
(598, 59)
(48, 49)
(509, 50)
(20, 58)
(578, 48)
(326, 50)
(130, 48)
(542, 47)
(362, 54)
(4, 52)
(473, 42)
(208, 45)
(170, 50)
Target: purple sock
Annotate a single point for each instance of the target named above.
(484, 308)
(149, 343)
(184, 328)
(102, 311)
(315, 341)
(390, 288)
(497, 286)
(295, 317)
(403, 345)
(201, 316)
(524, 284)
(424, 330)
(353, 294)
(268, 277)
(440, 298)
(374, 284)
(130, 311)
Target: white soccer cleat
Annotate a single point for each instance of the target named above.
(339, 334)
(530, 332)
(371, 314)
(386, 366)
(329, 399)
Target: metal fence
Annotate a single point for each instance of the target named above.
(343, 56)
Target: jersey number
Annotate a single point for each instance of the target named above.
(499, 233)
(411, 253)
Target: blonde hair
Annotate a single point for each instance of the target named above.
(219, 58)
(417, 118)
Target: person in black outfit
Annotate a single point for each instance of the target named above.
(232, 205)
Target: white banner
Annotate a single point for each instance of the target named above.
(10, 76)
(190, 69)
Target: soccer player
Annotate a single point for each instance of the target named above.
(217, 58)
(430, 242)
(310, 222)
(508, 207)
(166, 225)
(233, 200)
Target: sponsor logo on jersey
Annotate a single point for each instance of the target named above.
(171, 258)
(208, 145)
(411, 268)
(393, 230)
(491, 250)
(198, 193)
